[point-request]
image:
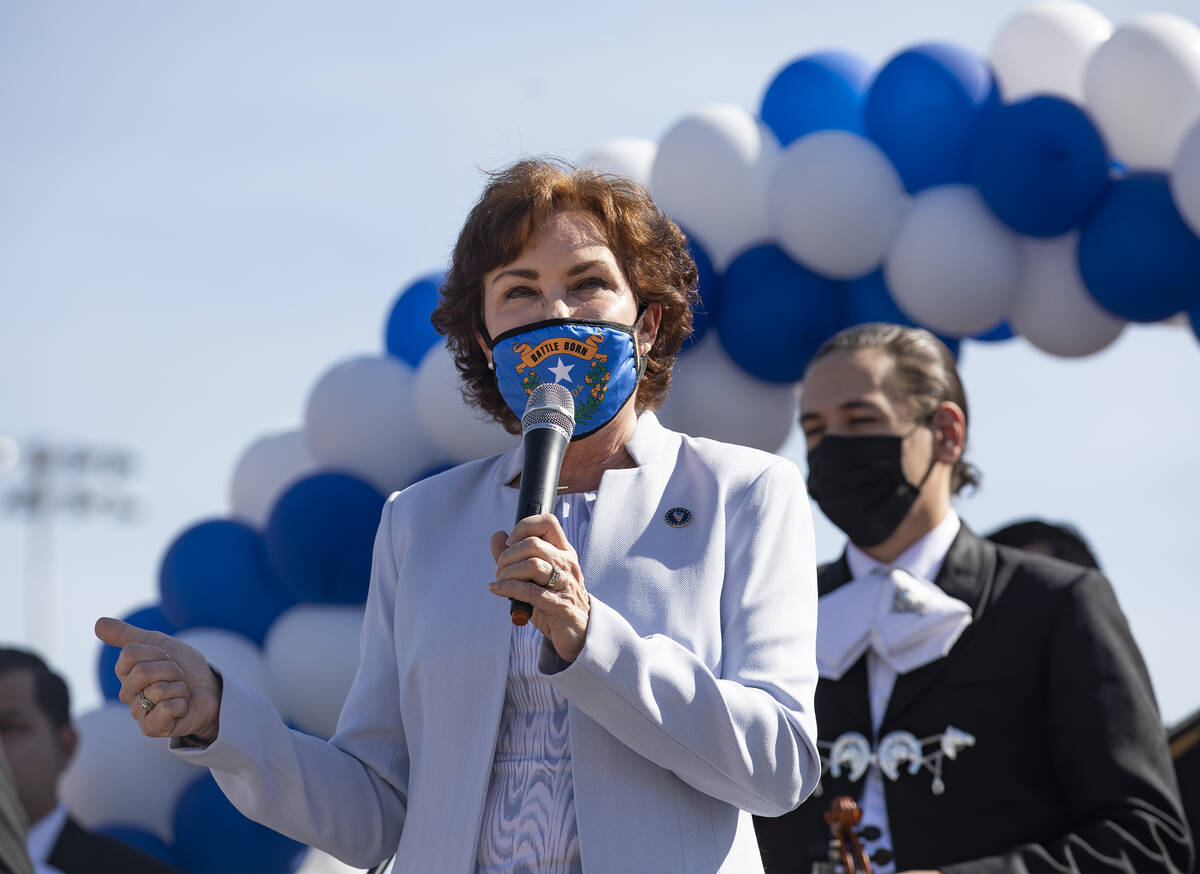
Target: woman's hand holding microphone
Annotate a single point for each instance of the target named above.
(536, 564)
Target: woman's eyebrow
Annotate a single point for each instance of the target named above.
(584, 267)
(524, 273)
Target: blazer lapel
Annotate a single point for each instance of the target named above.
(833, 575)
(627, 501)
(65, 855)
(843, 705)
(967, 574)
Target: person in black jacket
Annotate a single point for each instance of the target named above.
(1057, 540)
(987, 707)
(39, 742)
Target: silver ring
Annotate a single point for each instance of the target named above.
(145, 703)
(552, 583)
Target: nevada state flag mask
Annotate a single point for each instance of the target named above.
(597, 361)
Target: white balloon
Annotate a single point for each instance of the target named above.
(312, 655)
(267, 467)
(711, 175)
(835, 202)
(232, 655)
(1045, 48)
(1143, 88)
(360, 418)
(712, 397)
(460, 432)
(121, 777)
(631, 157)
(1053, 309)
(953, 267)
(1185, 179)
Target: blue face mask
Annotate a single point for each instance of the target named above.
(597, 361)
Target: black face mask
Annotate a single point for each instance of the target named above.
(859, 483)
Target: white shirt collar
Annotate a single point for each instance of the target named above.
(648, 444)
(43, 834)
(923, 559)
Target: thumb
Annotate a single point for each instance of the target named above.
(120, 634)
(499, 543)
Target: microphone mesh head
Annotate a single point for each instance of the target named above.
(550, 405)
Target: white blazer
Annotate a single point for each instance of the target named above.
(690, 706)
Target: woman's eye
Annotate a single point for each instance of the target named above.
(519, 291)
(593, 282)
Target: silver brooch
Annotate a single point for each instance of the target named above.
(897, 751)
(907, 600)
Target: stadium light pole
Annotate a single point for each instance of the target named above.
(77, 481)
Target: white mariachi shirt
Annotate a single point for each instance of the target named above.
(894, 614)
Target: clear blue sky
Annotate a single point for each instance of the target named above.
(204, 206)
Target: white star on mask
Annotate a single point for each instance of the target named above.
(562, 372)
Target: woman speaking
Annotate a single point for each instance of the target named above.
(663, 690)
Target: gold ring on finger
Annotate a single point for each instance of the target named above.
(552, 583)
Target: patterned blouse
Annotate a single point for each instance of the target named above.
(529, 817)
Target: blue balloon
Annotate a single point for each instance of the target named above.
(1040, 165)
(217, 574)
(409, 333)
(821, 91)
(923, 108)
(869, 300)
(775, 314)
(151, 618)
(1137, 257)
(320, 535)
(141, 840)
(212, 836)
(998, 334)
(708, 285)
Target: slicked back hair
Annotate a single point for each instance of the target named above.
(925, 375)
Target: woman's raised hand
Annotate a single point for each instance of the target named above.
(168, 686)
(536, 564)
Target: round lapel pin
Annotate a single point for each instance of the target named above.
(678, 517)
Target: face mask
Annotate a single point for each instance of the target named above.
(597, 361)
(859, 483)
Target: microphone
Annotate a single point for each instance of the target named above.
(546, 429)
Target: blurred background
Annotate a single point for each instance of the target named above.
(205, 207)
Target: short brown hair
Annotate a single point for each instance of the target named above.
(650, 250)
(51, 691)
(926, 375)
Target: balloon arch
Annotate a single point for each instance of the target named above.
(1051, 190)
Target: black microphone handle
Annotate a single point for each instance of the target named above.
(542, 450)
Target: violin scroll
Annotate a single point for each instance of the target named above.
(846, 854)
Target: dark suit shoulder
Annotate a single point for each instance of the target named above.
(1040, 575)
(1051, 570)
(79, 851)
